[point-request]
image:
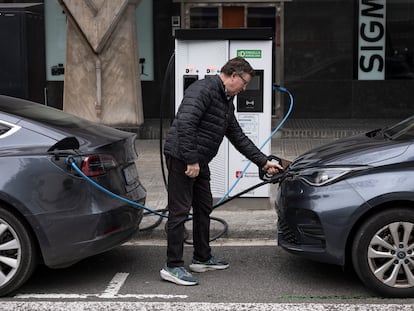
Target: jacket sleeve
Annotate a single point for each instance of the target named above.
(243, 144)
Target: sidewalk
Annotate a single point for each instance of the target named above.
(255, 222)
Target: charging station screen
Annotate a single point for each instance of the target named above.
(251, 99)
(188, 80)
(254, 83)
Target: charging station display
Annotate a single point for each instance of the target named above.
(251, 100)
(202, 53)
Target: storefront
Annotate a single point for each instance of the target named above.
(340, 58)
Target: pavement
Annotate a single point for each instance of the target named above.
(245, 222)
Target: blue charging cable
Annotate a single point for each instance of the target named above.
(71, 161)
(283, 90)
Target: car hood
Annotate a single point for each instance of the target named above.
(356, 150)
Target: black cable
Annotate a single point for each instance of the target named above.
(275, 179)
(164, 90)
(188, 241)
(167, 78)
(157, 223)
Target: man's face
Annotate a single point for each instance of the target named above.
(237, 83)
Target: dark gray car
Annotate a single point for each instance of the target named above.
(48, 213)
(351, 203)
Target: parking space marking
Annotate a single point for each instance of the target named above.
(115, 285)
(111, 291)
(190, 306)
(90, 296)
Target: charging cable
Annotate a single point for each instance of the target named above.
(227, 194)
(71, 161)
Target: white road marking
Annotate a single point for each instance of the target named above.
(190, 306)
(115, 285)
(89, 296)
(111, 292)
(53, 296)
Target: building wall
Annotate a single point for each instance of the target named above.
(22, 52)
(158, 96)
(321, 61)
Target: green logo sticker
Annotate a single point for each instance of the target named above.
(249, 53)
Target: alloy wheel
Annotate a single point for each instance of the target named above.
(390, 255)
(10, 252)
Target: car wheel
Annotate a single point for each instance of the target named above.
(383, 252)
(18, 255)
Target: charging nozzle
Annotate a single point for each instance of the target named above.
(70, 160)
(268, 177)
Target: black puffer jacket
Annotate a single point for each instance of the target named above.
(204, 117)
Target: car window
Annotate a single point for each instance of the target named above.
(7, 129)
(4, 129)
(401, 130)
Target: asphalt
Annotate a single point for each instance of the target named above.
(245, 222)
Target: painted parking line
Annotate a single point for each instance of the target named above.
(111, 292)
(190, 306)
(86, 302)
(114, 286)
(60, 296)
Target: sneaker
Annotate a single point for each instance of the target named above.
(178, 275)
(212, 264)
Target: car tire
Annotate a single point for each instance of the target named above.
(383, 252)
(18, 253)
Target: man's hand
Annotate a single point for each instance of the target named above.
(272, 168)
(192, 170)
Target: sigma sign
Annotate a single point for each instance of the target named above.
(371, 42)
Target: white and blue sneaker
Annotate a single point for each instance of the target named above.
(178, 275)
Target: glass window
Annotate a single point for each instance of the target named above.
(323, 40)
(261, 17)
(319, 40)
(385, 40)
(4, 129)
(204, 17)
(402, 130)
(400, 40)
(144, 20)
(55, 29)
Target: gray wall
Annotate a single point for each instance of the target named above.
(321, 55)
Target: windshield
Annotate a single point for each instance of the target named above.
(401, 130)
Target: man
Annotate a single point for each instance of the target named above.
(205, 116)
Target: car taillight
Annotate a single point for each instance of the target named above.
(95, 165)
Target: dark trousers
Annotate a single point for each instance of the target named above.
(183, 193)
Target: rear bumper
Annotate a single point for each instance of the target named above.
(87, 235)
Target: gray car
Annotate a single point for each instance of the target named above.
(351, 203)
(48, 213)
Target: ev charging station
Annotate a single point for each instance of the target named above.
(202, 52)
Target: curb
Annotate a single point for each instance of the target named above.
(242, 224)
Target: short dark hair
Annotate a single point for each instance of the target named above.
(237, 65)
